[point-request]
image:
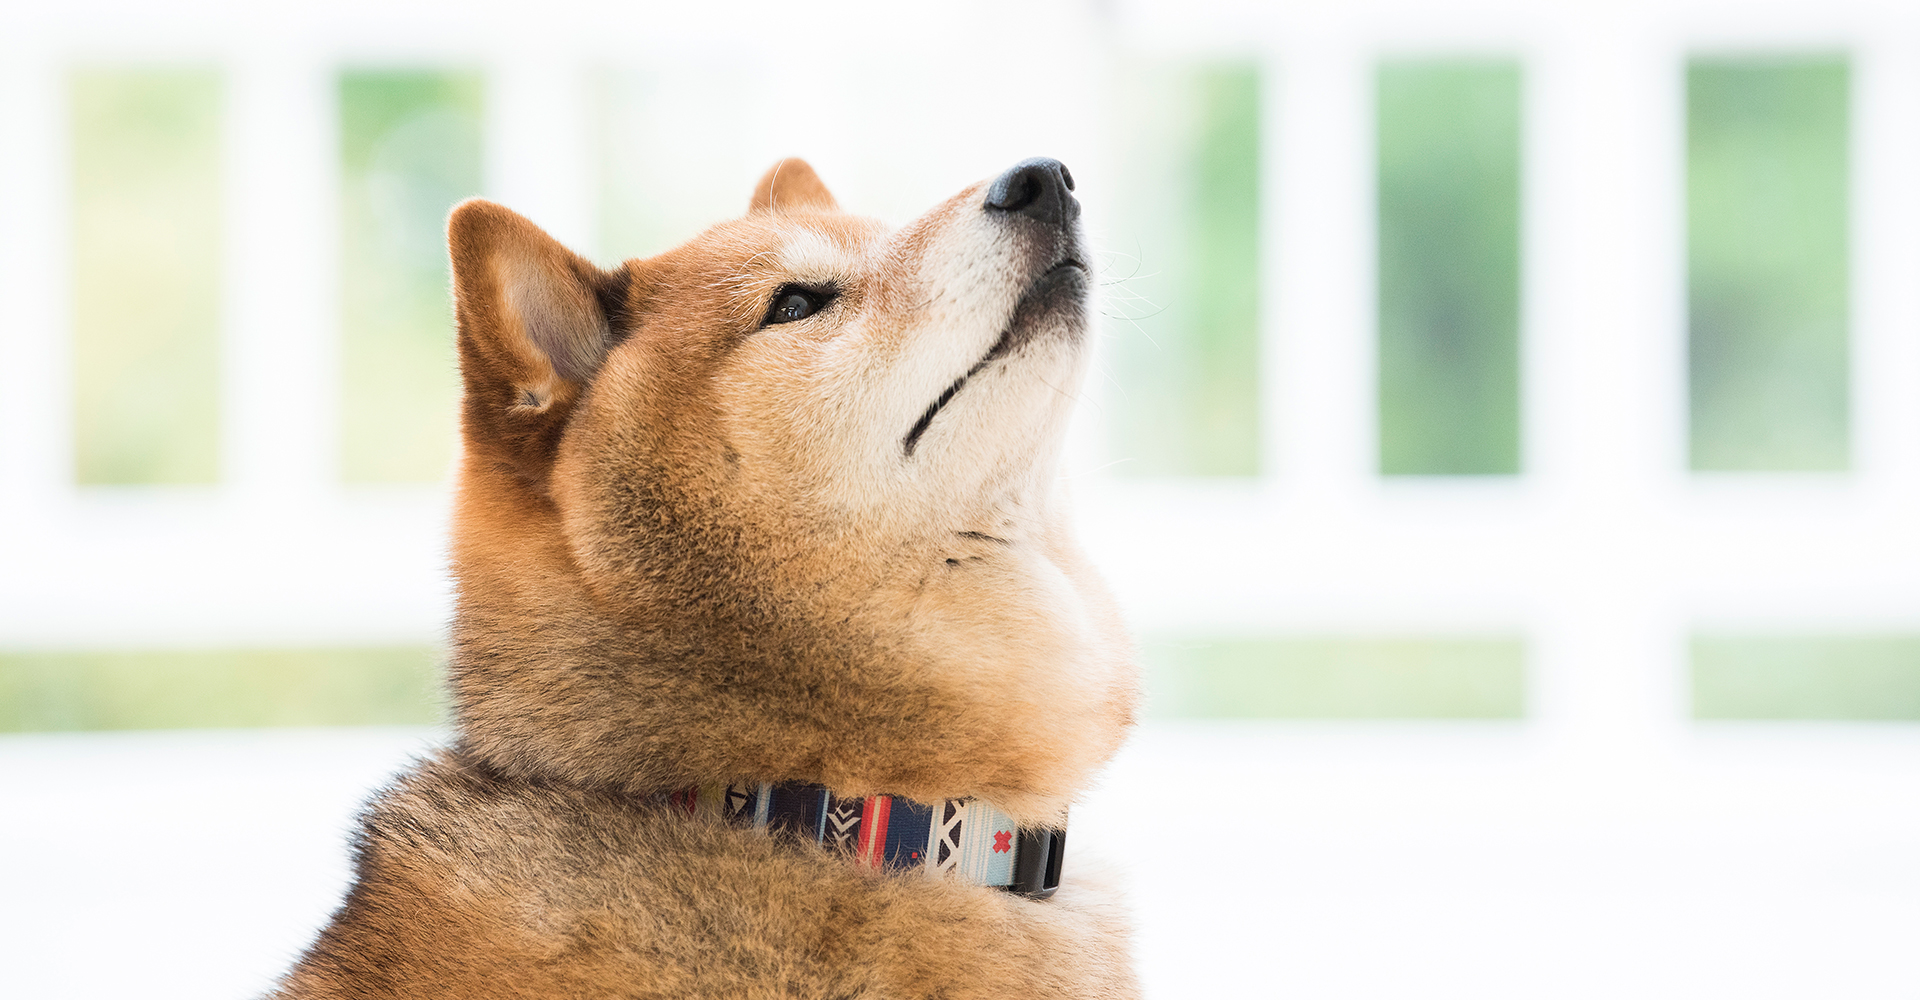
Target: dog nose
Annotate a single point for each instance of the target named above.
(1036, 188)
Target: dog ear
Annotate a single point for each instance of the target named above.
(535, 320)
(791, 186)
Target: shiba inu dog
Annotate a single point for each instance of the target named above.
(774, 662)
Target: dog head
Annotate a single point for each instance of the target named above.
(783, 503)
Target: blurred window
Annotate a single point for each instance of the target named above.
(1183, 261)
(1806, 677)
(1449, 279)
(410, 148)
(146, 274)
(659, 131)
(1767, 263)
(1337, 678)
(193, 689)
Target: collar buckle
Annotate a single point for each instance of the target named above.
(1036, 868)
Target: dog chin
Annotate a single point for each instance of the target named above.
(1055, 302)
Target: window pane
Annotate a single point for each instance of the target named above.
(181, 689)
(146, 260)
(1449, 292)
(658, 133)
(1767, 263)
(1806, 677)
(1337, 678)
(409, 150)
(1184, 256)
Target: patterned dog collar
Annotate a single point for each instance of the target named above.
(963, 836)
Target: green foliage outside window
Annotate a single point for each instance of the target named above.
(1767, 263)
(1184, 254)
(1833, 677)
(409, 150)
(1337, 678)
(146, 275)
(222, 688)
(1449, 277)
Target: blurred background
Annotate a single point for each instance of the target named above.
(1504, 436)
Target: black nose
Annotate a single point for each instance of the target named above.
(1036, 188)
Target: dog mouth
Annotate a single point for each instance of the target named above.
(1063, 283)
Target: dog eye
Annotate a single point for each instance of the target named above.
(793, 302)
